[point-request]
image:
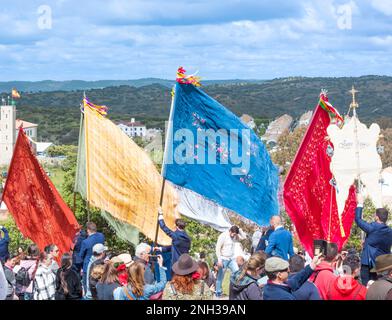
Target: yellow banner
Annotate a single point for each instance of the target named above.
(122, 179)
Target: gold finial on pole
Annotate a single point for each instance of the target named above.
(353, 104)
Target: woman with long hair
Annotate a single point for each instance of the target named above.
(186, 283)
(137, 289)
(68, 282)
(44, 283)
(243, 283)
(108, 282)
(25, 273)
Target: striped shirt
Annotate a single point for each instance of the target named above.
(44, 286)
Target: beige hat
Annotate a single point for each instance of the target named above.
(122, 258)
(276, 264)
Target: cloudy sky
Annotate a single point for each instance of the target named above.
(227, 39)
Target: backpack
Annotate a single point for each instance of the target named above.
(22, 277)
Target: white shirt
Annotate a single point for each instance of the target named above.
(225, 246)
(256, 238)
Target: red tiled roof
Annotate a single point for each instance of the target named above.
(24, 124)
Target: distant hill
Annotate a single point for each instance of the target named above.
(57, 112)
(72, 85)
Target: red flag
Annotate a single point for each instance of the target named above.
(309, 194)
(38, 209)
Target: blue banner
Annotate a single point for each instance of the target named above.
(210, 151)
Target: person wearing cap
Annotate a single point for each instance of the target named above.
(378, 239)
(381, 289)
(181, 242)
(121, 263)
(86, 248)
(186, 283)
(279, 285)
(98, 257)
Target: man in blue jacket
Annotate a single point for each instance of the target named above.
(262, 245)
(280, 242)
(308, 290)
(86, 249)
(4, 242)
(181, 242)
(378, 239)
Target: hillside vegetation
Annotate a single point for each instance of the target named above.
(57, 112)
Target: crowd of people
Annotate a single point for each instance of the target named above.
(273, 271)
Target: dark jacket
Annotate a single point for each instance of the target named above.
(264, 239)
(77, 261)
(167, 256)
(280, 244)
(181, 242)
(105, 290)
(11, 282)
(148, 273)
(308, 291)
(4, 241)
(74, 285)
(378, 239)
(86, 249)
(92, 281)
(285, 291)
(244, 289)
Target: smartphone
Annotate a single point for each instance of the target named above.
(319, 247)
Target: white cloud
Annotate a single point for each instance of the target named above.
(384, 6)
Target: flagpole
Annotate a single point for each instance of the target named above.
(163, 169)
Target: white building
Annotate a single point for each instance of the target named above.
(9, 127)
(276, 128)
(305, 119)
(152, 133)
(133, 128)
(30, 129)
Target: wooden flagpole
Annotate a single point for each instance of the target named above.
(168, 140)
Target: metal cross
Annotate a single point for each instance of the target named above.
(353, 104)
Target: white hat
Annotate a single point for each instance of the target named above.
(99, 248)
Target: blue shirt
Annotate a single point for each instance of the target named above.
(149, 289)
(86, 250)
(308, 291)
(280, 244)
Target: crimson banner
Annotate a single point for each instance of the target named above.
(309, 193)
(38, 209)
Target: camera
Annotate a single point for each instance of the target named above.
(154, 257)
(319, 247)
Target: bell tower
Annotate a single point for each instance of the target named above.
(7, 131)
